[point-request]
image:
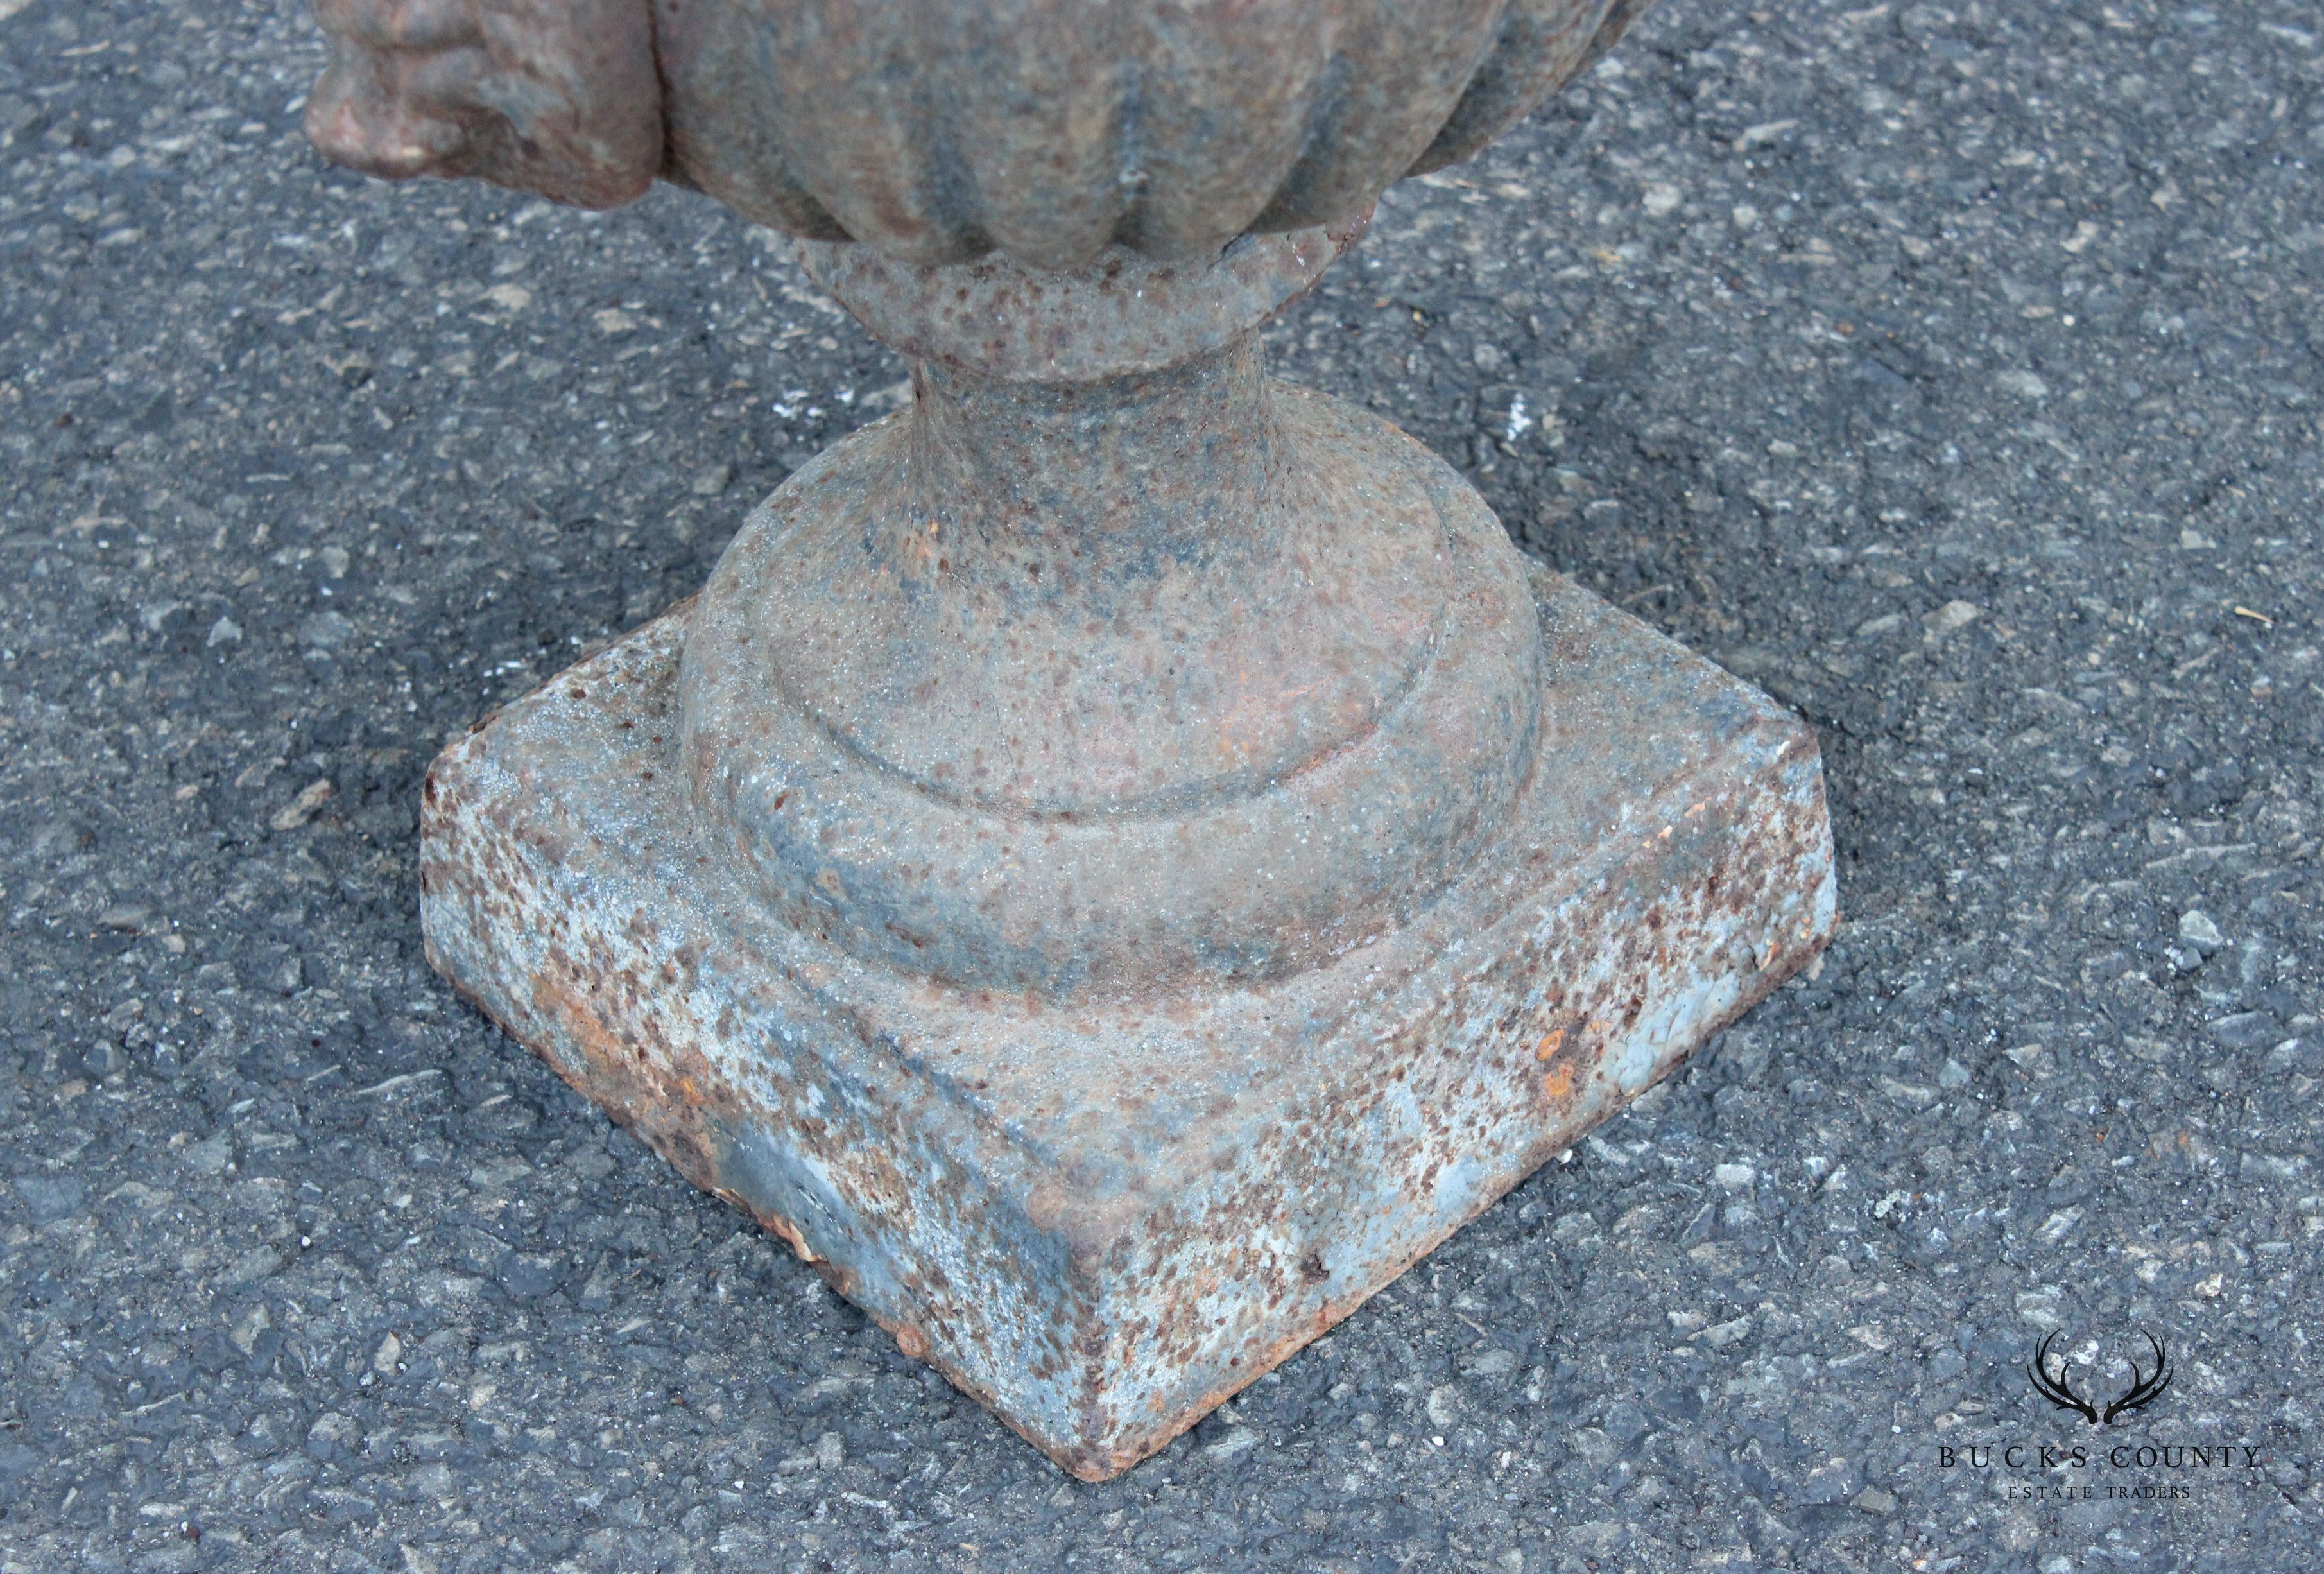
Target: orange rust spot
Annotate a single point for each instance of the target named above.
(774, 1224)
(1549, 1044)
(1559, 1083)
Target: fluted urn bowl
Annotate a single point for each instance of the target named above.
(939, 131)
(1048, 130)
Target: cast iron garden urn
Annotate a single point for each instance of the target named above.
(1124, 855)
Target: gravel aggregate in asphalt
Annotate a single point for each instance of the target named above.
(1952, 370)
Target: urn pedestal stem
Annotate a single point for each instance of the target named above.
(1086, 479)
(1122, 857)
(1111, 665)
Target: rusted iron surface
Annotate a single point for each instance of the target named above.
(558, 97)
(940, 130)
(1124, 316)
(1103, 1218)
(1111, 666)
(1123, 856)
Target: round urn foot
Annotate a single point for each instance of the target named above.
(1112, 664)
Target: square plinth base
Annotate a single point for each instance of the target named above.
(1102, 1222)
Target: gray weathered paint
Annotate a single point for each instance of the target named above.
(1104, 1219)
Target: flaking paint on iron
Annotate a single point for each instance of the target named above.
(1108, 1397)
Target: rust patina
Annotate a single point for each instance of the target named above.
(1123, 856)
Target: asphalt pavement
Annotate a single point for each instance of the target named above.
(1952, 370)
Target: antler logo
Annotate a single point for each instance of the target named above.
(2145, 1387)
